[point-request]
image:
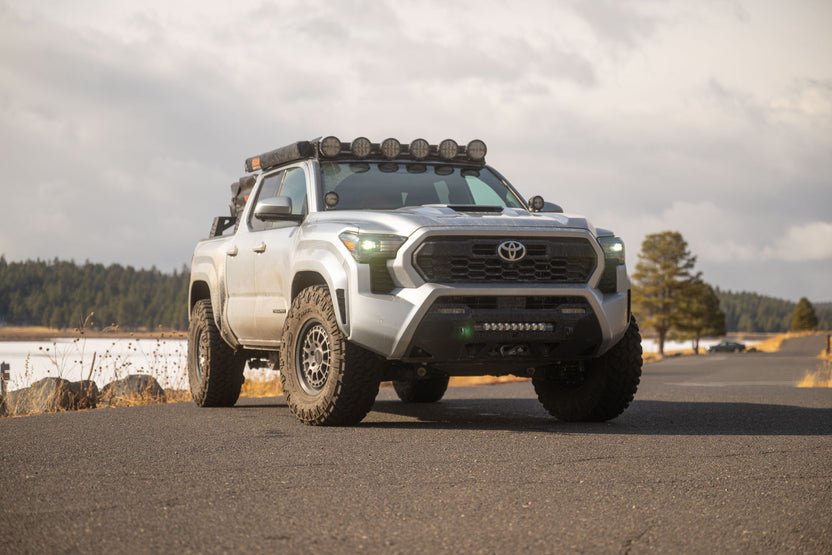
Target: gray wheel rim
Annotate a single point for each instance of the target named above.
(314, 357)
(202, 348)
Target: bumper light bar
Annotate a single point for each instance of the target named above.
(516, 326)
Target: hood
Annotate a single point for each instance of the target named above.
(405, 221)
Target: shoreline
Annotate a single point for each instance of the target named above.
(38, 333)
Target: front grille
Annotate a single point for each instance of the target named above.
(475, 260)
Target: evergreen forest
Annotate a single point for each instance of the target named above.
(61, 294)
(752, 312)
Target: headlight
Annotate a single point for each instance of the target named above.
(367, 246)
(613, 248)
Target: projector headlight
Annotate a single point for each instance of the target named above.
(613, 248)
(367, 246)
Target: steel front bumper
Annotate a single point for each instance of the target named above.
(439, 323)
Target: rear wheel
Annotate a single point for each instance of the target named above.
(327, 380)
(593, 390)
(428, 390)
(215, 370)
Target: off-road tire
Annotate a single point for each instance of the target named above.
(428, 390)
(601, 390)
(328, 381)
(215, 371)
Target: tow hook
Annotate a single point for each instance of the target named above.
(514, 350)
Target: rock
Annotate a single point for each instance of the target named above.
(46, 395)
(86, 394)
(135, 389)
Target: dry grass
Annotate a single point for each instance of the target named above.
(772, 344)
(462, 381)
(822, 377)
(178, 395)
(261, 387)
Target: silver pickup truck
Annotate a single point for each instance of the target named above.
(353, 263)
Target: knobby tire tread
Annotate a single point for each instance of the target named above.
(356, 372)
(608, 390)
(224, 378)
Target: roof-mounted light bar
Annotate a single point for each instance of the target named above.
(362, 148)
(392, 149)
(278, 156)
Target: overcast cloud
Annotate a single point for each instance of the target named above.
(123, 123)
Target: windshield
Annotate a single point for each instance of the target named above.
(389, 185)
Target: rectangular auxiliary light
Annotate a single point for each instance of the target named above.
(515, 326)
(282, 155)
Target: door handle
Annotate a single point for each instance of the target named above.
(260, 248)
(232, 251)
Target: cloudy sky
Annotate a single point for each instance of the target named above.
(122, 124)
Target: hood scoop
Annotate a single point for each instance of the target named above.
(471, 208)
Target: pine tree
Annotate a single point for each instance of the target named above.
(663, 275)
(804, 317)
(700, 315)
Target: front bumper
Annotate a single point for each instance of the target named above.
(436, 323)
(529, 323)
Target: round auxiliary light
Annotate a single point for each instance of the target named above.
(330, 147)
(331, 199)
(391, 148)
(419, 149)
(536, 203)
(476, 150)
(448, 149)
(361, 147)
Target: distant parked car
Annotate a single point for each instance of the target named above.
(727, 347)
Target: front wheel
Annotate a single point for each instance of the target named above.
(595, 390)
(215, 370)
(327, 380)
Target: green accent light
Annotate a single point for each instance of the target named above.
(466, 332)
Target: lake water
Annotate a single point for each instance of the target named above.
(164, 359)
(99, 359)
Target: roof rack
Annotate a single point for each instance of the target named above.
(332, 148)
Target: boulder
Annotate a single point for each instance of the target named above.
(46, 395)
(135, 389)
(86, 394)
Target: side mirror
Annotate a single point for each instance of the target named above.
(537, 204)
(551, 207)
(274, 209)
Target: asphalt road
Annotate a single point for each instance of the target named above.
(717, 453)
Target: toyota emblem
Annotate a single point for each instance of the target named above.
(511, 251)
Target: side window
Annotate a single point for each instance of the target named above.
(271, 185)
(294, 187)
